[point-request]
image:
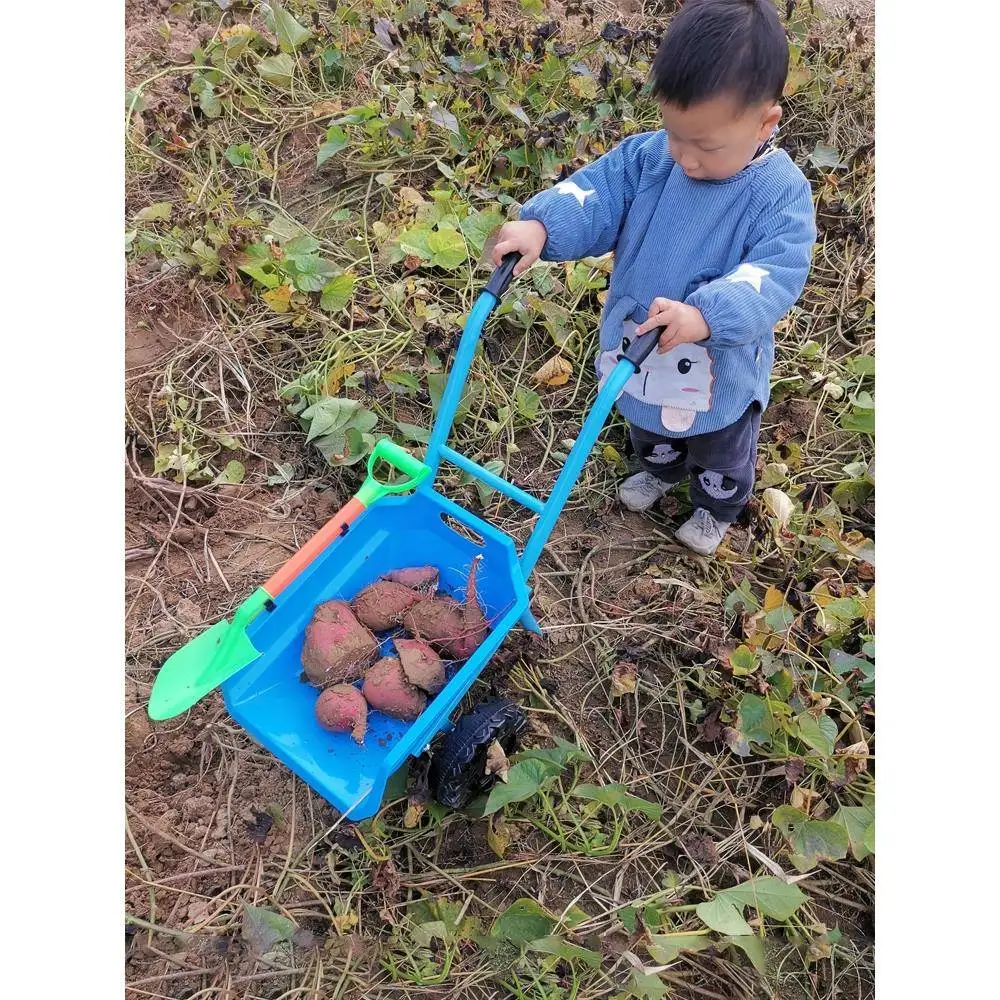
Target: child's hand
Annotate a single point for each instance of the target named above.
(682, 324)
(526, 238)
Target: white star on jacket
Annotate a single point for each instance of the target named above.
(571, 187)
(749, 273)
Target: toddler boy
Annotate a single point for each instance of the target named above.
(712, 227)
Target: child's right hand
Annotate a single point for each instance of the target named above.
(526, 238)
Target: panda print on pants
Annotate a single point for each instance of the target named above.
(663, 454)
(714, 484)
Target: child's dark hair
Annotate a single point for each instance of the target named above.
(715, 47)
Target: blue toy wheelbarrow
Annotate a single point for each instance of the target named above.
(256, 658)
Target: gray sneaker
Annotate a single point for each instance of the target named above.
(641, 491)
(701, 532)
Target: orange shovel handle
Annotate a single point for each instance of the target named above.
(328, 533)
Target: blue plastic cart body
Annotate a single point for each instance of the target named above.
(276, 707)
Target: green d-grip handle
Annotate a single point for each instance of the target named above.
(400, 459)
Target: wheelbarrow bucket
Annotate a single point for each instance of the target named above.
(272, 701)
(261, 674)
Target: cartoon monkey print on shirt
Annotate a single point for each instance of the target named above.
(679, 382)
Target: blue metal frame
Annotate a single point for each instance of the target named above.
(548, 511)
(267, 698)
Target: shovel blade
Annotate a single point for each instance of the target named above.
(196, 668)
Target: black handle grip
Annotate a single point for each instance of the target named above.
(639, 349)
(501, 278)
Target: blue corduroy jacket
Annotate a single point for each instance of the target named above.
(738, 249)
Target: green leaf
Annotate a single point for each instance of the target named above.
(526, 401)
(336, 140)
(413, 433)
(644, 984)
(754, 719)
(424, 934)
(278, 69)
(618, 795)
(311, 273)
(158, 211)
(743, 661)
(208, 101)
(485, 491)
(770, 895)
(629, 918)
(826, 158)
(863, 364)
(501, 103)
(435, 386)
(443, 117)
(208, 258)
(868, 842)
(329, 414)
(555, 945)
(478, 227)
(301, 246)
(753, 947)
(819, 734)
(409, 385)
(780, 619)
(240, 155)
(560, 755)
(290, 33)
(811, 839)
(522, 922)
(722, 915)
(232, 473)
(337, 292)
(742, 597)
(447, 247)
(263, 929)
(857, 820)
(269, 279)
(283, 474)
(664, 948)
(414, 241)
(860, 420)
(524, 780)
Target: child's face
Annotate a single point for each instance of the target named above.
(715, 139)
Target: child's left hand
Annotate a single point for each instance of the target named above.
(682, 324)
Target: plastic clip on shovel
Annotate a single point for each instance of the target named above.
(216, 654)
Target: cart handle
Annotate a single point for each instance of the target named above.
(501, 278)
(485, 303)
(639, 349)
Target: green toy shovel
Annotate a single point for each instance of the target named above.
(216, 654)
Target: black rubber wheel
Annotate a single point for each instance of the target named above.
(458, 769)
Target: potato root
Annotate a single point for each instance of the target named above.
(422, 666)
(387, 690)
(343, 709)
(381, 605)
(456, 630)
(337, 648)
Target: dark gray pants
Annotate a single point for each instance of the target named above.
(721, 465)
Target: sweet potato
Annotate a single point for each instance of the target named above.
(338, 647)
(421, 578)
(343, 709)
(382, 605)
(387, 690)
(422, 666)
(454, 629)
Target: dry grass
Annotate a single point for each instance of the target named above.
(214, 824)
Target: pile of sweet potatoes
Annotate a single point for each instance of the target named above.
(341, 647)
